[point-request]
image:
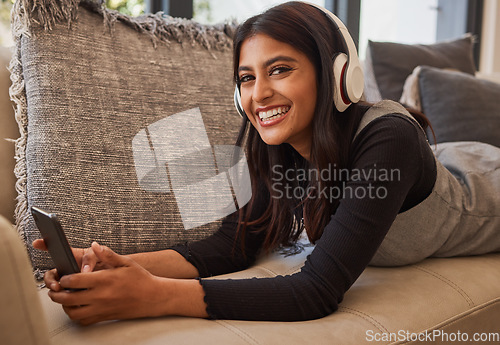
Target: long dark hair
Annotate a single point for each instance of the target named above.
(308, 30)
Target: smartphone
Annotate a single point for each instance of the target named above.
(56, 241)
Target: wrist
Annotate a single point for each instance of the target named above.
(183, 297)
(166, 263)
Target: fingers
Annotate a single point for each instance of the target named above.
(87, 258)
(39, 244)
(109, 293)
(82, 315)
(80, 281)
(91, 280)
(88, 261)
(51, 279)
(98, 257)
(108, 257)
(86, 315)
(78, 253)
(69, 298)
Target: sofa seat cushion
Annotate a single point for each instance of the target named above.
(436, 296)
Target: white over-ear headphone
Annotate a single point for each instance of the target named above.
(347, 71)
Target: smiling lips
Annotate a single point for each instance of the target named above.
(273, 114)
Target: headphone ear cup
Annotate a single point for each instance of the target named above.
(339, 74)
(237, 102)
(354, 80)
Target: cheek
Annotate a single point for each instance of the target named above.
(253, 121)
(307, 103)
(311, 96)
(246, 101)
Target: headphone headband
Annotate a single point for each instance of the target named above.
(347, 70)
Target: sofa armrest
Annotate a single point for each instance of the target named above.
(21, 319)
(8, 130)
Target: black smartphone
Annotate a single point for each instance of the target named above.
(56, 241)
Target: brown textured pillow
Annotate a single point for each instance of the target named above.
(88, 91)
(392, 63)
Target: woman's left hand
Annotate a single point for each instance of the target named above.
(123, 290)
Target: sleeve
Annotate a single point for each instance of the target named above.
(348, 242)
(221, 252)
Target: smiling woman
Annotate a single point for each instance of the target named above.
(296, 74)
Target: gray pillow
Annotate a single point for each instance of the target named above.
(95, 100)
(393, 62)
(459, 106)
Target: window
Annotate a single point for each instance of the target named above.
(217, 11)
(130, 7)
(5, 33)
(403, 21)
(423, 21)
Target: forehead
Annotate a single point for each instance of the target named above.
(260, 47)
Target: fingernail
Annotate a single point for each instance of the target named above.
(86, 268)
(54, 286)
(99, 247)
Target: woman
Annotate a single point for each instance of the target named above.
(345, 176)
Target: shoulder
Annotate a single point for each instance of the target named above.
(390, 136)
(387, 111)
(390, 129)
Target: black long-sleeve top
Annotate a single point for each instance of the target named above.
(348, 243)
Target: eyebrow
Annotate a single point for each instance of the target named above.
(270, 62)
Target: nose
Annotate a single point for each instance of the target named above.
(262, 90)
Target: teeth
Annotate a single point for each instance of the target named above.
(276, 112)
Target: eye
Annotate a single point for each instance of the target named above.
(245, 78)
(280, 70)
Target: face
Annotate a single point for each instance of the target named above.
(278, 91)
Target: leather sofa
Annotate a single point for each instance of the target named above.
(437, 301)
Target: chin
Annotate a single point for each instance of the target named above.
(272, 141)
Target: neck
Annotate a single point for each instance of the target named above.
(303, 150)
